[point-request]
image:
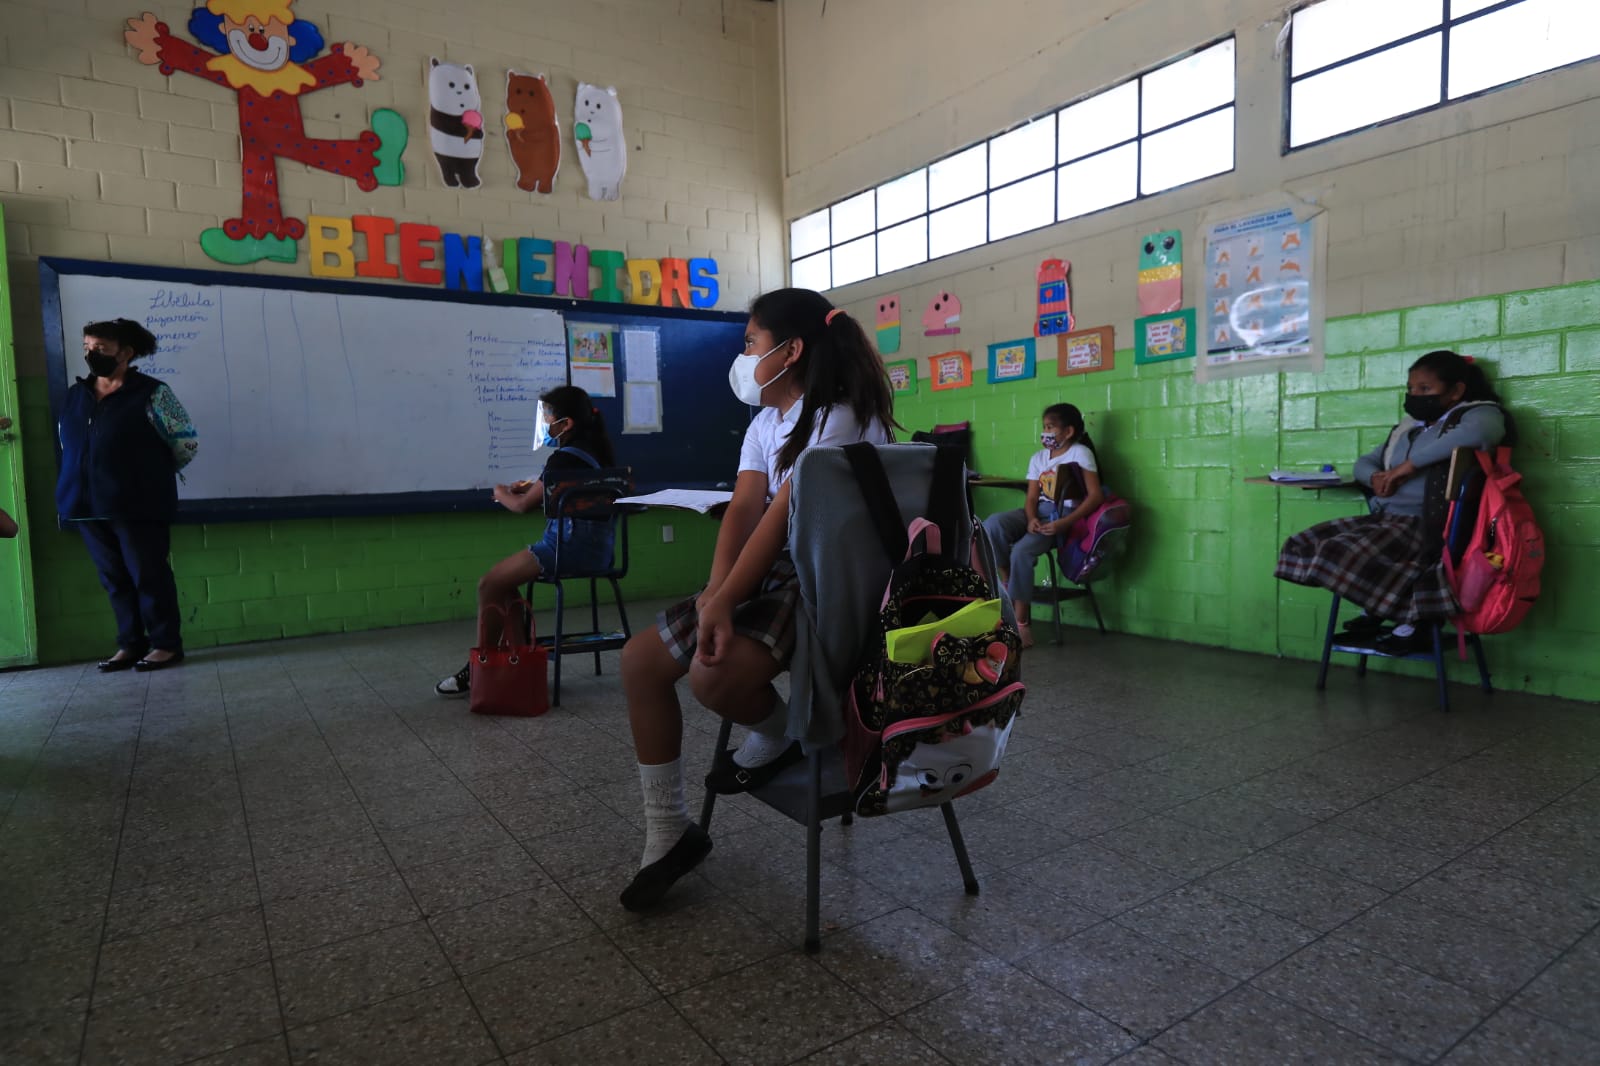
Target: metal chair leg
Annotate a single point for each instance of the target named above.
(555, 648)
(1095, 604)
(594, 617)
(1483, 663)
(1327, 645)
(711, 797)
(622, 610)
(968, 878)
(1439, 668)
(814, 857)
(1055, 590)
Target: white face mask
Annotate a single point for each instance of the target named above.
(742, 376)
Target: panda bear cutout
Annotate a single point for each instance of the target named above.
(455, 122)
(602, 147)
(533, 134)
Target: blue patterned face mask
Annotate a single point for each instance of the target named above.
(1048, 440)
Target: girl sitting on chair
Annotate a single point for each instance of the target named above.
(574, 427)
(818, 381)
(1020, 537)
(1389, 562)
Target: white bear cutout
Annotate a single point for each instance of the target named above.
(455, 122)
(602, 146)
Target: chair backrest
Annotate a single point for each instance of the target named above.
(953, 435)
(588, 494)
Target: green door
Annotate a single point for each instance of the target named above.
(19, 643)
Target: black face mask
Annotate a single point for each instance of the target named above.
(1426, 409)
(101, 365)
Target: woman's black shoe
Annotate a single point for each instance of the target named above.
(652, 882)
(728, 778)
(1364, 625)
(111, 666)
(1419, 640)
(145, 666)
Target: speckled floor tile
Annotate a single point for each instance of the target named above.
(185, 1021)
(341, 976)
(1360, 856)
(889, 1042)
(1549, 915)
(1009, 918)
(1568, 991)
(1512, 1035)
(689, 945)
(181, 953)
(311, 919)
(1097, 878)
(179, 900)
(443, 838)
(473, 877)
(654, 1034)
(1234, 815)
(435, 1025)
(543, 996)
(1450, 946)
(1305, 894)
(1229, 935)
(500, 930)
(1248, 1026)
(323, 866)
(1179, 848)
(901, 959)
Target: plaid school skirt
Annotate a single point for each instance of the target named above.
(1377, 561)
(768, 618)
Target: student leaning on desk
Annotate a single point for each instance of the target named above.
(818, 381)
(1389, 561)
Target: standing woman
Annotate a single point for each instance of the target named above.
(124, 437)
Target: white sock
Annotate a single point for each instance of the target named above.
(767, 739)
(666, 812)
(1405, 629)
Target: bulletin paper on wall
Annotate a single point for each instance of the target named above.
(592, 352)
(1263, 306)
(641, 389)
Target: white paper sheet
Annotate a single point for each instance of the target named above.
(641, 407)
(641, 354)
(701, 500)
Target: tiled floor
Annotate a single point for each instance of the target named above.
(295, 852)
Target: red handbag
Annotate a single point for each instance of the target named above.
(510, 679)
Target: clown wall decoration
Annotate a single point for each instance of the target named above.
(266, 55)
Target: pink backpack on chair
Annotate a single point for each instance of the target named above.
(1496, 578)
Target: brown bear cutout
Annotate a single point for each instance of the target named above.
(532, 131)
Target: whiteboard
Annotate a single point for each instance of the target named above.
(312, 393)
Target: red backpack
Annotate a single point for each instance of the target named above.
(1495, 577)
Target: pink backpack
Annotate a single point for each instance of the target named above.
(1497, 578)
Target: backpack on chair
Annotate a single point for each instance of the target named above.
(1495, 577)
(1084, 547)
(920, 733)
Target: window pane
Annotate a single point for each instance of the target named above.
(904, 245)
(958, 177)
(1337, 29)
(1099, 181)
(855, 261)
(1459, 8)
(1022, 151)
(1102, 120)
(902, 198)
(1189, 152)
(1390, 83)
(809, 234)
(811, 273)
(853, 217)
(1515, 42)
(1026, 205)
(958, 228)
(1189, 86)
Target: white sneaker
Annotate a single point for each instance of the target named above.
(457, 684)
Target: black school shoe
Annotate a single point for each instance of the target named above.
(145, 666)
(111, 666)
(1364, 625)
(728, 778)
(1420, 640)
(652, 882)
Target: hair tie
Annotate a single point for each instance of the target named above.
(827, 319)
(594, 410)
(1468, 359)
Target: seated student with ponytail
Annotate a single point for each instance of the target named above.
(818, 382)
(574, 427)
(1389, 562)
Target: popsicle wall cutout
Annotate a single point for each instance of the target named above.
(533, 133)
(455, 122)
(943, 316)
(268, 58)
(1161, 272)
(1055, 299)
(888, 322)
(602, 146)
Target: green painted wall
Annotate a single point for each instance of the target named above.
(1200, 562)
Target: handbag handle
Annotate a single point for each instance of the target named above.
(505, 642)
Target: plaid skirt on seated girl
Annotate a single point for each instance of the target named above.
(1380, 562)
(768, 617)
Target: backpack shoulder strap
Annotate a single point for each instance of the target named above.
(947, 495)
(581, 454)
(873, 481)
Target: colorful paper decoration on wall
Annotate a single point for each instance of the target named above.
(533, 132)
(888, 322)
(455, 122)
(943, 316)
(1263, 307)
(902, 375)
(1011, 361)
(592, 355)
(602, 145)
(1085, 351)
(951, 370)
(1055, 299)
(1161, 337)
(262, 52)
(1161, 272)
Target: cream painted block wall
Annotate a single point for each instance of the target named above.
(104, 158)
(1478, 198)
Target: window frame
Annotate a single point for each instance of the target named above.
(1443, 27)
(1053, 169)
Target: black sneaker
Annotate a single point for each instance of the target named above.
(457, 684)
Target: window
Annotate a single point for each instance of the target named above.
(1355, 63)
(1164, 128)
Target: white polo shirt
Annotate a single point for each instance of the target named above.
(770, 431)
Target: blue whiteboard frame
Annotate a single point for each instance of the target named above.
(705, 423)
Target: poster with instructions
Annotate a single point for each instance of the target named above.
(1262, 306)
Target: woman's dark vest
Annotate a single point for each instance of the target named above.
(113, 462)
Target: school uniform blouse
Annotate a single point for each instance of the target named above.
(1480, 426)
(770, 431)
